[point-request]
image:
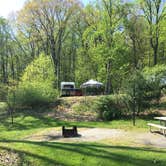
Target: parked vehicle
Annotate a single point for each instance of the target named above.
(68, 89)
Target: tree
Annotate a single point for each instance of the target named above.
(103, 44)
(112, 19)
(144, 86)
(135, 31)
(50, 18)
(8, 56)
(135, 88)
(154, 12)
(36, 86)
(4, 44)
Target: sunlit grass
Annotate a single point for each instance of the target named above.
(53, 153)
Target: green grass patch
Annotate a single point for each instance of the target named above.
(84, 154)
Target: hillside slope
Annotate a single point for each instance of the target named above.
(79, 108)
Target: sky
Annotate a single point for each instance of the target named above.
(9, 6)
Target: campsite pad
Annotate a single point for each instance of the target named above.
(85, 135)
(102, 134)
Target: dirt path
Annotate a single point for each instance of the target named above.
(103, 135)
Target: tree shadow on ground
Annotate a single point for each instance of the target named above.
(118, 154)
(30, 119)
(34, 119)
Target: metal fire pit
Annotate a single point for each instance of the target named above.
(69, 132)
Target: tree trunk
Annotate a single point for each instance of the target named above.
(4, 74)
(134, 106)
(54, 58)
(108, 87)
(155, 55)
(59, 43)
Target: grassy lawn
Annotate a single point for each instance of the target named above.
(24, 125)
(70, 154)
(54, 153)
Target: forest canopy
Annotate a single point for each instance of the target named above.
(105, 40)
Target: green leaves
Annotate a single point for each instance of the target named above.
(36, 87)
(40, 70)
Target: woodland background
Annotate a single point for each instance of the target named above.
(105, 40)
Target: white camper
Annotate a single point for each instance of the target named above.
(67, 88)
(67, 85)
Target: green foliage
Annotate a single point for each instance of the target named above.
(156, 80)
(135, 87)
(3, 92)
(40, 70)
(102, 40)
(155, 74)
(141, 89)
(37, 84)
(110, 107)
(33, 94)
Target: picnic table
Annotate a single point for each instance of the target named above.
(161, 126)
(162, 120)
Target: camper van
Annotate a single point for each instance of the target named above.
(68, 89)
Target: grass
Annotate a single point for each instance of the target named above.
(67, 154)
(28, 124)
(73, 154)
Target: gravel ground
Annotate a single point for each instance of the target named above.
(9, 158)
(101, 134)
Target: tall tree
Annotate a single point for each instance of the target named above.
(154, 12)
(135, 31)
(112, 20)
(50, 19)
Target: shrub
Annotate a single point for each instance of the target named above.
(156, 76)
(36, 87)
(31, 95)
(135, 88)
(110, 107)
(141, 90)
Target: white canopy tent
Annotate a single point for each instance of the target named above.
(91, 83)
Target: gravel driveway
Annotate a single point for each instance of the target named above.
(101, 134)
